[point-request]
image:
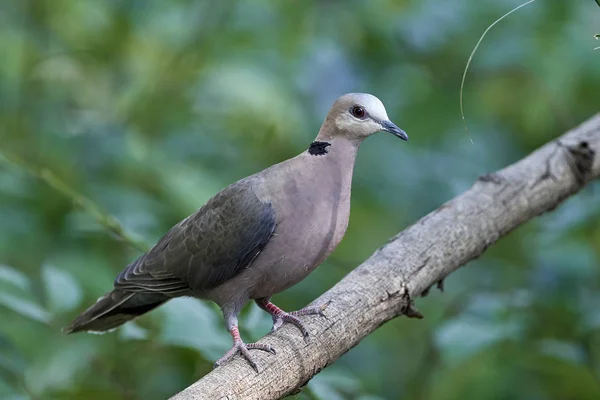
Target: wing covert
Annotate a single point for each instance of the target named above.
(207, 248)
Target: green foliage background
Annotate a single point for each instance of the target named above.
(150, 107)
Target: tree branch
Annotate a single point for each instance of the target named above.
(411, 262)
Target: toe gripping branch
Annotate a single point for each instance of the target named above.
(242, 348)
(280, 316)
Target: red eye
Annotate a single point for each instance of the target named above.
(358, 112)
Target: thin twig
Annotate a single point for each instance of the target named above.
(462, 83)
(102, 217)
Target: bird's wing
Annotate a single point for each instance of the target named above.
(207, 248)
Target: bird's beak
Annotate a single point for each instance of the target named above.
(390, 127)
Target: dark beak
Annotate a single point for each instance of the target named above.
(390, 127)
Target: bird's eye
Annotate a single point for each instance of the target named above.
(358, 112)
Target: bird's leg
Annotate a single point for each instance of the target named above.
(240, 347)
(280, 316)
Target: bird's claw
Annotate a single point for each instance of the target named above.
(242, 348)
(277, 322)
(313, 310)
(292, 317)
(322, 308)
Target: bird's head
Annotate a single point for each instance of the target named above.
(357, 116)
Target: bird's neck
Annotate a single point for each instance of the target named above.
(335, 155)
(334, 147)
(333, 144)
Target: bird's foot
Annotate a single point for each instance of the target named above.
(280, 316)
(312, 310)
(243, 349)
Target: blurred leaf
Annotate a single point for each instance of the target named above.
(569, 352)
(133, 331)
(192, 323)
(24, 307)
(58, 369)
(255, 321)
(63, 292)
(481, 333)
(14, 277)
(333, 385)
(12, 362)
(7, 392)
(16, 295)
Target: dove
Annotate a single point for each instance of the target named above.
(255, 238)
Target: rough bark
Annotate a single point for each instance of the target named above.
(425, 253)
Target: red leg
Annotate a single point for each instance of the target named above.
(280, 316)
(240, 347)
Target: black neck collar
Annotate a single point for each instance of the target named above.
(318, 148)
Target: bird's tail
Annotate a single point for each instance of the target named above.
(113, 309)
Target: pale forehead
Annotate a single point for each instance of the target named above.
(372, 104)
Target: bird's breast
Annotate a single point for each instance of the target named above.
(312, 217)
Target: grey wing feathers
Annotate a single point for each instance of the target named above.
(207, 248)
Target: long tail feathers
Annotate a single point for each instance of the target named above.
(113, 309)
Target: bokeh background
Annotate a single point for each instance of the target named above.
(149, 107)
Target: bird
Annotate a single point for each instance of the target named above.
(255, 238)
